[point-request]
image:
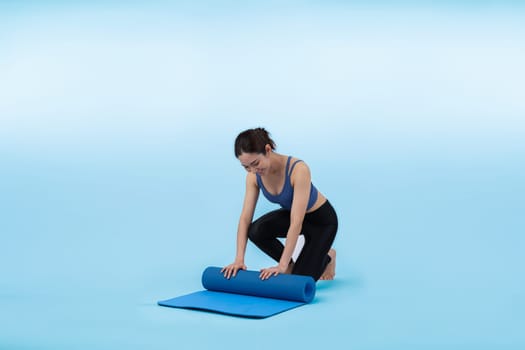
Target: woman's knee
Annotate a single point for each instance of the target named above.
(269, 226)
(260, 231)
(254, 232)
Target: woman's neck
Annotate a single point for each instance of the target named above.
(277, 164)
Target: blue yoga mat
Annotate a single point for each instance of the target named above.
(246, 294)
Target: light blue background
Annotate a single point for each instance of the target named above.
(118, 183)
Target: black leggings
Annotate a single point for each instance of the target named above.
(319, 229)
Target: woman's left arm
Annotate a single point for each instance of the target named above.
(301, 182)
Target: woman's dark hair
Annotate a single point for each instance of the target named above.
(253, 141)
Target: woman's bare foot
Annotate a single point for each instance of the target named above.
(329, 272)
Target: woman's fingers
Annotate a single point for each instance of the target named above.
(231, 270)
(267, 273)
(227, 271)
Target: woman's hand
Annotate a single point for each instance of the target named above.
(231, 270)
(271, 271)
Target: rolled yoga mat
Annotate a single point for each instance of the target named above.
(246, 294)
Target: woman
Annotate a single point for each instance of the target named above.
(304, 210)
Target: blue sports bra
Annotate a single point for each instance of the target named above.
(284, 199)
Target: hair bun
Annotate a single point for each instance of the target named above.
(253, 141)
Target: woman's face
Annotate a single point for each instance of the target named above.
(255, 162)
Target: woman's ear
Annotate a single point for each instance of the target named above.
(267, 148)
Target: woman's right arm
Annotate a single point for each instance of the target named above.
(250, 200)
